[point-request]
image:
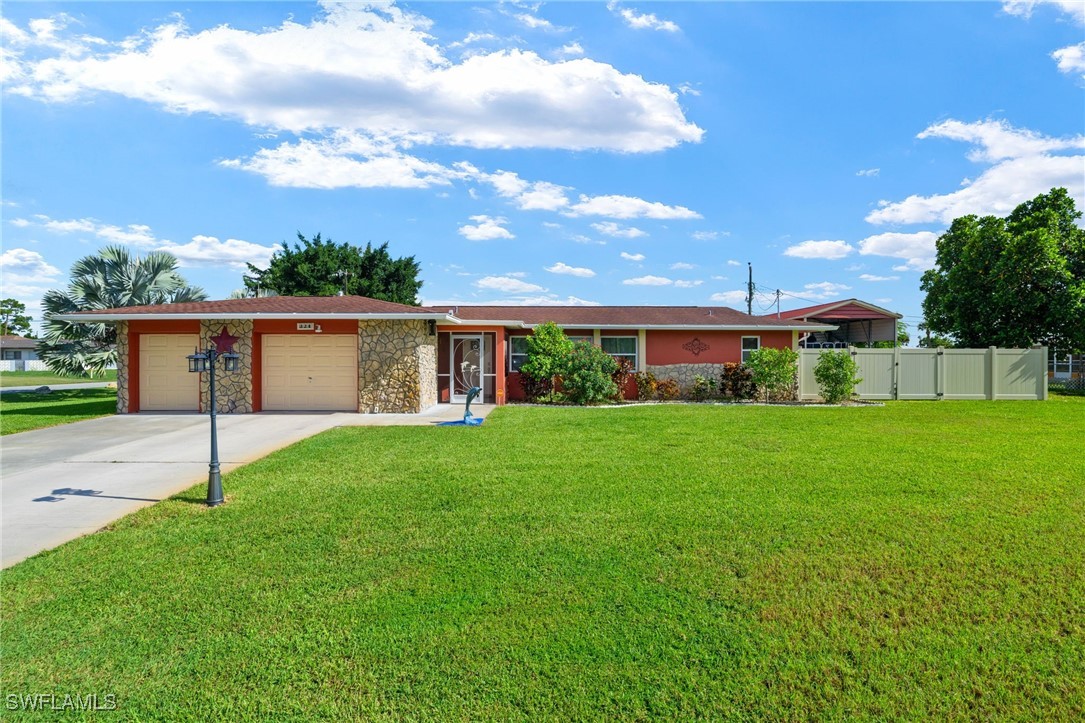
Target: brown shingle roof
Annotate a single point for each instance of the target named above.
(346, 305)
(630, 316)
(9, 341)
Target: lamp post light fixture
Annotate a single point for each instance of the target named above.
(222, 347)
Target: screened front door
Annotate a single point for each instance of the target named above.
(467, 365)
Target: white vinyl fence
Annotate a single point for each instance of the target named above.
(29, 365)
(990, 373)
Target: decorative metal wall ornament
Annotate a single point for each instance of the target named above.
(696, 346)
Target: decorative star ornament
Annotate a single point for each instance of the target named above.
(224, 342)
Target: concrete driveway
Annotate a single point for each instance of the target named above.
(60, 483)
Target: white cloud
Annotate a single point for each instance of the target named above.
(22, 266)
(730, 298)
(870, 172)
(472, 38)
(820, 291)
(571, 50)
(609, 228)
(708, 235)
(682, 266)
(1071, 59)
(209, 251)
(1024, 8)
(344, 160)
(1025, 165)
(684, 284)
(536, 23)
(628, 207)
(19, 222)
(831, 250)
(507, 285)
(687, 89)
(645, 21)
(135, 234)
(996, 140)
(526, 195)
(371, 69)
(917, 249)
(719, 278)
(487, 228)
(732, 262)
(632, 257)
(562, 268)
(873, 277)
(648, 281)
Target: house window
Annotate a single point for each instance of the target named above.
(12, 354)
(750, 344)
(621, 347)
(517, 352)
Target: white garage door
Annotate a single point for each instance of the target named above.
(165, 383)
(310, 372)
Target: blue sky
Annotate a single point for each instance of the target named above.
(621, 153)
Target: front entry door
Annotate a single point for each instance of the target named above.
(467, 365)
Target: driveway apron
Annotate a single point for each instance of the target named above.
(60, 483)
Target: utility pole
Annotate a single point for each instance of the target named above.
(749, 290)
(777, 303)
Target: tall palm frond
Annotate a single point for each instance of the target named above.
(111, 279)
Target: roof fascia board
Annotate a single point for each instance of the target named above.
(808, 326)
(98, 318)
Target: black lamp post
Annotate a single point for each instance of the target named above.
(205, 362)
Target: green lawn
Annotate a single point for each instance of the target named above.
(37, 379)
(23, 411)
(917, 560)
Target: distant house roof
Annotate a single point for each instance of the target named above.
(8, 341)
(360, 307)
(848, 309)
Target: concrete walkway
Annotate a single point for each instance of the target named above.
(63, 482)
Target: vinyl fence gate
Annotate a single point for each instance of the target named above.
(990, 373)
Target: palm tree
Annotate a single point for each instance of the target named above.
(111, 279)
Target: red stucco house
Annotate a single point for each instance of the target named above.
(352, 353)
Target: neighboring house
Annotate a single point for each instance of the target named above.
(856, 322)
(1066, 366)
(352, 353)
(16, 351)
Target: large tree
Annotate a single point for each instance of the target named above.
(1014, 281)
(113, 278)
(323, 268)
(13, 318)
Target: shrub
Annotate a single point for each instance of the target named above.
(835, 373)
(548, 351)
(736, 382)
(646, 385)
(668, 390)
(588, 376)
(622, 375)
(535, 389)
(703, 389)
(775, 372)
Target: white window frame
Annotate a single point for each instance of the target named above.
(516, 354)
(745, 353)
(634, 357)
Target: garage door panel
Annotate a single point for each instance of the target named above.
(310, 372)
(165, 383)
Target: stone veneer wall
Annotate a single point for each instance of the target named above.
(122, 367)
(684, 373)
(397, 366)
(233, 390)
